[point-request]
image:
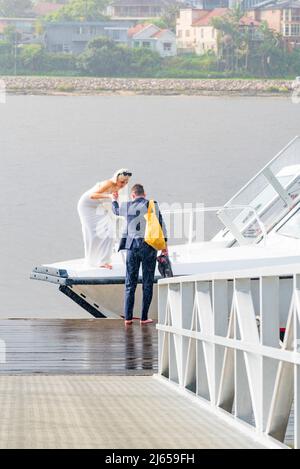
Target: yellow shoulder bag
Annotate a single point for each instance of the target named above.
(154, 235)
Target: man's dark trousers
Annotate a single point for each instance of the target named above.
(140, 253)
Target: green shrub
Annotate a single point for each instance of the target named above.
(6, 64)
(104, 57)
(32, 57)
(5, 47)
(205, 62)
(60, 62)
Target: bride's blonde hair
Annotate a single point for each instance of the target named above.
(119, 172)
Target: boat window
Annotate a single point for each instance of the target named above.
(291, 227)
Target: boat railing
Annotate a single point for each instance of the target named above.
(254, 223)
(198, 224)
(231, 341)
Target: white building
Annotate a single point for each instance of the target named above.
(152, 37)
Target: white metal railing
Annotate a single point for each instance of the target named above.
(219, 339)
(220, 212)
(236, 234)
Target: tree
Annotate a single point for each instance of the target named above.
(32, 57)
(270, 52)
(261, 53)
(11, 36)
(232, 40)
(6, 59)
(157, 21)
(170, 13)
(103, 57)
(15, 8)
(81, 10)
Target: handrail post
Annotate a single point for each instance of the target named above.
(191, 225)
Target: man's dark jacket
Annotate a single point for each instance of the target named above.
(134, 213)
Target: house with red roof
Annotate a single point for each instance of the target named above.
(196, 34)
(152, 37)
(46, 8)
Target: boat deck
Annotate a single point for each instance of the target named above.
(78, 346)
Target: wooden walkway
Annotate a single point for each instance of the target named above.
(86, 384)
(83, 346)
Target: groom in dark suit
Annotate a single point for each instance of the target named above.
(138, 251)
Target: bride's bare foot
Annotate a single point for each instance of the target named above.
(106, 266)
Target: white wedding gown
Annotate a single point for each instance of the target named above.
(98, 228)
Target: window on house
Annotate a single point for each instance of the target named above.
(202, 32)
(136, 44)
(57, 48)
(295, 30)
(212, 33)
(116, 35)
(66, 48)
(187, 33)
(287, 30)
(296, 15)
(167, 46)
(146, 44)
(82, 30)
(179, 33)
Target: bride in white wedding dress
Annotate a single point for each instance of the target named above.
(97, 219)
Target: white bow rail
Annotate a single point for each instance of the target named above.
(219, 340)
(221, 212)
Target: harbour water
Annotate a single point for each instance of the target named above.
(184, 149)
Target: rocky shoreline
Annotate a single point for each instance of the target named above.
(146, 86)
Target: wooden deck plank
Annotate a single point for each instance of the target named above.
(83, 346)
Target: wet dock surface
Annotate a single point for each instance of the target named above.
(78, 346)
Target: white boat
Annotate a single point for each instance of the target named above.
(261, 228)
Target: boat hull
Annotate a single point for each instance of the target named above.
(107, 300)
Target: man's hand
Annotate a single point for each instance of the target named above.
(165, 251)
(115, 196)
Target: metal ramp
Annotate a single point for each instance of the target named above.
(85, 383)
(121, 412)
(264, 200)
